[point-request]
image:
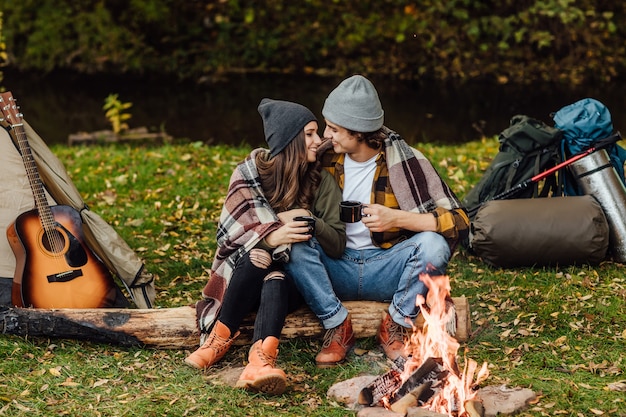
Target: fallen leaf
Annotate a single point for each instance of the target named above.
(505, 333)
(55, 371)
(21, 407)
(100, 382)
(617, 386)
(69, 383)
(509, 350)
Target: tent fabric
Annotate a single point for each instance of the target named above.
(16, 197)
(99, 235)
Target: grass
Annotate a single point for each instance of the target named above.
(559, 331)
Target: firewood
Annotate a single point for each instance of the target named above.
(175, 328)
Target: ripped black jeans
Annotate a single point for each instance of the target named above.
(260, 284)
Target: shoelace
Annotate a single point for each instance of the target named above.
(215, 342)
(397, 333)
(328, 337)
(268, 359)
(333, 335)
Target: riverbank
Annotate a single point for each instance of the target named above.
(224, 112)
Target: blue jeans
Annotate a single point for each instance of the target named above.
(387, 275)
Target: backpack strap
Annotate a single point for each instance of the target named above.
(511, 173)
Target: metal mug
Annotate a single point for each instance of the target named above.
(351, 211)
(311, 223)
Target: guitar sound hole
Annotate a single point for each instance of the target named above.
(53, 241)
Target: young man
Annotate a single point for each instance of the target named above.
(411, 225)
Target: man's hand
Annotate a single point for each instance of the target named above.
(379, 218)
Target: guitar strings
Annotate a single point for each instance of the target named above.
(54, 238)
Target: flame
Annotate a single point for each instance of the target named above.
(433, 340)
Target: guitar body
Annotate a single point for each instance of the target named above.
(54, 267)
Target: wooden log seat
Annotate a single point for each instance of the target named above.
(175, 328)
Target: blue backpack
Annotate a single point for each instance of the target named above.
(583, 123)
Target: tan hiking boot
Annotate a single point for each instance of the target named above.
(392, 338)
(337, 343)
(261, 373)
(214, 349)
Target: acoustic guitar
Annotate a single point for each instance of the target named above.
(54, 267)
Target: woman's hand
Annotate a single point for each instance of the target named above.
(291, 231)
(287, 216)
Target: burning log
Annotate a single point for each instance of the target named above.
(384, 385)
(411, 399)
(175, 328)
(431, 370)
(390, 386)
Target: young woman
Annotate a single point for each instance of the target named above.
(267, 191)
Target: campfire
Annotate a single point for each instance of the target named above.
(430, 377)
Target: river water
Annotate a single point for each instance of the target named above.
(224, 111)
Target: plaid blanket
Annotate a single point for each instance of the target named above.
(415, 182)
(246, 219)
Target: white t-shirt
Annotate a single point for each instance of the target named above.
(358, 183)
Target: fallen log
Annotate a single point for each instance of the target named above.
(175, 328)
(140, 134)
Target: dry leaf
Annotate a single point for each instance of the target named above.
(505, 333)
(69, 383)
(21, 407)
(100, 382)
(55, 371)
(617, 386)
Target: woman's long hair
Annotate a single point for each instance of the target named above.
(288, 179)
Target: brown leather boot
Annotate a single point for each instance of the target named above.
(337, 344)
(261, 374)
(214, 349)
(392, 337)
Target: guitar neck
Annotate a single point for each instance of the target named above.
(11, 118)
(36, 185)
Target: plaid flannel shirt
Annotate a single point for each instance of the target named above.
(431, 196)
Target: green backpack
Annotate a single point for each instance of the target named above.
(527, 147)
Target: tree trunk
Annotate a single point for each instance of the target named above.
(175, 328)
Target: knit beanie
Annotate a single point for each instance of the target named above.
(355, 105)
(282, 121)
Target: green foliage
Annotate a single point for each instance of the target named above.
(115, 112)
(507, 41)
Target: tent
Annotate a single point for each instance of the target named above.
(101, 238)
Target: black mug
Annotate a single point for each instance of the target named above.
(351, 211)
(310, 220)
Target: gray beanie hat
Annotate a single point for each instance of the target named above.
(282, 121)
(355, 105)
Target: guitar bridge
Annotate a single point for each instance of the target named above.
(65, 276)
